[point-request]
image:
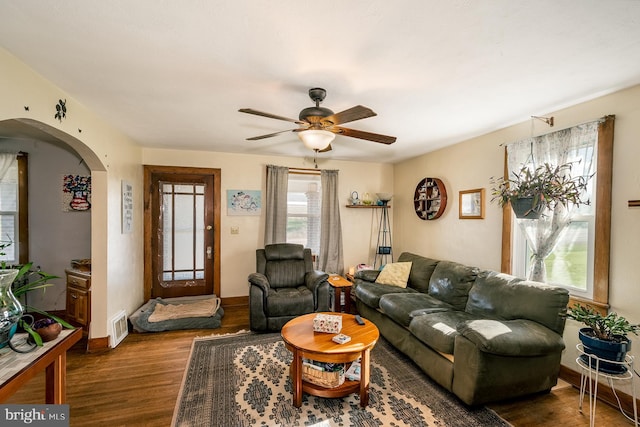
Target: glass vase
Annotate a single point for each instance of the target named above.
(10, 308)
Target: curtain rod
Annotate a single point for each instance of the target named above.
(304, 170)
(599, 120)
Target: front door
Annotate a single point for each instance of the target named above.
(182, 231)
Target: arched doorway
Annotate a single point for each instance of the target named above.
(29, 129)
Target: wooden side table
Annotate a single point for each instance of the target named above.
(17, 368)
(303, 342)
(341, 285)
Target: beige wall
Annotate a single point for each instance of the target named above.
(247, 172)
(471, 163)
(117, 258)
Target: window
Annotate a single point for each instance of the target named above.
(9, 209)
(590, 232)
(304, 199)
(570, 264)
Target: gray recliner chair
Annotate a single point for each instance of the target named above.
(285, 286)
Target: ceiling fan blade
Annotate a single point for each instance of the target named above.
(269, 115)
(255, 138)
(352, 114)
(375, 137)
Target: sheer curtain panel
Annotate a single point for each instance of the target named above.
(575, 145)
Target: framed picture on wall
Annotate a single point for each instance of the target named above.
(471, 204)
(244, 202)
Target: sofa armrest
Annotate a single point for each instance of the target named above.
(316, 281)
(259, 280)
(367, 275)
(315, 278)
(511, 337)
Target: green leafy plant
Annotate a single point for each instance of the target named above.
(29, 281)
(611, 327)
(32, 281)
(546, 185)
(3, 245)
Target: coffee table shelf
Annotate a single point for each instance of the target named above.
(344, 389)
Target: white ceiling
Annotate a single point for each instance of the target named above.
(174, 73)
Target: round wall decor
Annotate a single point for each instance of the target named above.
(430, 199)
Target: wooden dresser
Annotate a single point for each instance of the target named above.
(79, 298)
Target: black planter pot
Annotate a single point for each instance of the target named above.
(523, 208)
(607, 350)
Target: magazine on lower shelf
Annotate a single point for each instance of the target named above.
(353, 373)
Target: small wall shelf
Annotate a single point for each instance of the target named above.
(368, 206)
(430, 198)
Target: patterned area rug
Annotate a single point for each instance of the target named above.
(243, 380)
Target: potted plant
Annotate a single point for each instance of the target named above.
(43, 329)
(24, 281)
(604, 336)
(532, 191)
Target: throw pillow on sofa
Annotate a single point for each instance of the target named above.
(395, 274)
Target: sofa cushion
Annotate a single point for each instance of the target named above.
(421, 270)
(511, 337)
(367, 275)
(289, 301)
(370, 292)
(395, 274)
(438, 330)
(497, 296)
(482, 300)
(403, 307)
(450, 282)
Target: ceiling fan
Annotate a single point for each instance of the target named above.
(319, 125)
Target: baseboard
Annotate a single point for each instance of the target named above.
(101, 344)
(605, 394)
(98, 344)
(234, 301)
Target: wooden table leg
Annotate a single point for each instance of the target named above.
(56, 380)
(347, 300)
(337, 303)
(364, 378)
(296, 378)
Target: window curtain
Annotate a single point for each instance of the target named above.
(330, 259)
(275, 227)
(6, 160)
(576, 145)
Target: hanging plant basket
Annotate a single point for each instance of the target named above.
(523, 208)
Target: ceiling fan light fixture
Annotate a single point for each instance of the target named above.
(316, 139)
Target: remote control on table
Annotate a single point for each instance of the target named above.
(359, 320)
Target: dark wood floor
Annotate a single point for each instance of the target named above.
(137, 384)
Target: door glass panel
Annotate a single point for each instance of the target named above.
(182, 234)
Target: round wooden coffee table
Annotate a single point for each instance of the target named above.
(303, 342)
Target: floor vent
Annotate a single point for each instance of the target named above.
(119, 328)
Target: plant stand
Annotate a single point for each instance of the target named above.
(383, 245)
(590, 373)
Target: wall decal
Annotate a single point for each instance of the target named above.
(61, 110)
(127, 207)
(76, 193)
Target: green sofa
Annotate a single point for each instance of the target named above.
(483, 335)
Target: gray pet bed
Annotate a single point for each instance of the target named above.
(141, 323)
